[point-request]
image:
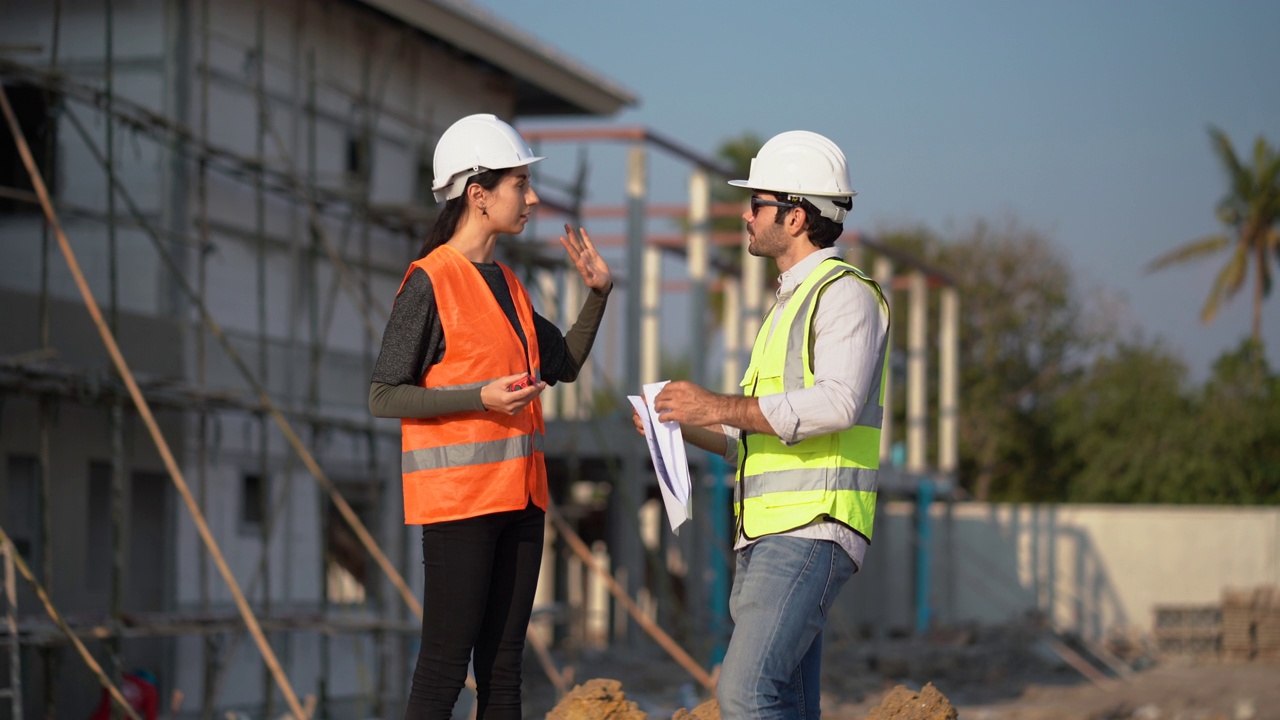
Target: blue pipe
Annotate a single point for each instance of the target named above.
(924, 498)
(718, 508)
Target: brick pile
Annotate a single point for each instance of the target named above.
(1251, 624)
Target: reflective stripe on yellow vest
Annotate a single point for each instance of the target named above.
(830, 477)
(474, 463)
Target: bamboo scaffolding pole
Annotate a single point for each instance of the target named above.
(21, 564)
(10, 600)
(671, 646)
(144, 410)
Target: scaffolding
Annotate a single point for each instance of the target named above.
(283, 170)
(41, 374)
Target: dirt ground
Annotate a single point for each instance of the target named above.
(987, 675)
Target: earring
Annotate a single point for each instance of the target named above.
(484, 211)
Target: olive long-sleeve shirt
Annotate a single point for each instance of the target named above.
(414, 341)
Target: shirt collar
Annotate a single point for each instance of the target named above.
(791, 279)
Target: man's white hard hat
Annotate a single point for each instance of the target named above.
(799, 162)
(472, 145)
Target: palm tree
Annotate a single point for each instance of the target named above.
(1251, 210)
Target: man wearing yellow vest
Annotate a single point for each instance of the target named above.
(804, 436)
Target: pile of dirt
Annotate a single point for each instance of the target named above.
(709, 710)
(599, 699)
(904, 704)
(603, 699)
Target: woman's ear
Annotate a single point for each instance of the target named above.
(475, 195)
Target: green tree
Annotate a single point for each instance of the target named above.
(1125, 430)
(1240, 426)
(1250, 210)
(1022, 334)
(1129, 430)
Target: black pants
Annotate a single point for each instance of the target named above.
(481, 574)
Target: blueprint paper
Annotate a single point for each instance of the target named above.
(666, 450)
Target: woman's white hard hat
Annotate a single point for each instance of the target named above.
(472, 145)
(803, 163)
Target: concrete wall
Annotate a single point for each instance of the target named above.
(1089, 568)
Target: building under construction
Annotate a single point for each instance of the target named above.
(190, 473)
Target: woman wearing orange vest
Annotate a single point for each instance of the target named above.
(463, 361)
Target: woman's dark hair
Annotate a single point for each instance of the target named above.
(447, 220)
(823, 231)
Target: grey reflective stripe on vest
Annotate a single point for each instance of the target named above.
(860, 479)
(793, 365)
(872, 414)
(482, 453)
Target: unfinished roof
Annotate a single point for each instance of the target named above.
(547, 82)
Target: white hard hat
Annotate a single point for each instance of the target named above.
(472, 145)
(799, 162)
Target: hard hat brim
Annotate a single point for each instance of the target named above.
(747, 185)
(443, 190)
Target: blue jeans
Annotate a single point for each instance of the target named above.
(782, 591)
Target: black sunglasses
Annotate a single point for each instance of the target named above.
(759, 202)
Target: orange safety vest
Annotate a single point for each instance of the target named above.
(474, 463)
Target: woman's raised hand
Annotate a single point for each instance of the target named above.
(595, 272)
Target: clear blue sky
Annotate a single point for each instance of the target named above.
(1084, 119)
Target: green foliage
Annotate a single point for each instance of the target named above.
(1240, 422)
(1053, 407)
(1132, 433)
(1122, 425)
(1020, 333)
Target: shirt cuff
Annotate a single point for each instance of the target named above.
(781, 417)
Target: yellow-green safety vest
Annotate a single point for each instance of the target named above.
(830, 477)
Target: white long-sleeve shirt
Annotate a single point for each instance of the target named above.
(850, 326)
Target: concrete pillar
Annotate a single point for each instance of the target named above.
(752, 296)
(949, 383)
(733, 365)
(650, 309)
(696, 547)
(625, 502)
(552, 397)
(699, 212)
(917, 374)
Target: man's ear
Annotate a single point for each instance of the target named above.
(797, 218)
